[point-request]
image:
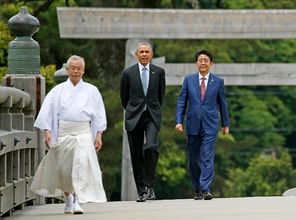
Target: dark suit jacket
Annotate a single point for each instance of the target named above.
(132, 95)
(204, 111)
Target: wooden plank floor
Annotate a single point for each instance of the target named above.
(248, 208)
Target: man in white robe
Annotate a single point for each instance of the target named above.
(73, 119)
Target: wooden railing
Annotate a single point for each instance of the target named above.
(18, 149)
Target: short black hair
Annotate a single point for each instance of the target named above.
(205, 52)
(145, 44)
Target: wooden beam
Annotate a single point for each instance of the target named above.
(238, 74)
(119, 23)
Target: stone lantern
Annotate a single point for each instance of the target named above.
(61, 75)
(23, 51)
(24, 58)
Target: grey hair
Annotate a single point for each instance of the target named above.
(143, 43)
(75, 57)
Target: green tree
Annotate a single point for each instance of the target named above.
(257, 4)
(48, 73)
(249, 112)
(265, 176)
(110, 156)
(172, 176)
(172, 173)
(5, 38)
(242, 4)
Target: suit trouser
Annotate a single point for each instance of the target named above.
(201, 150)
(144, 156)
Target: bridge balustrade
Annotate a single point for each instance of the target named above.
(18, 149)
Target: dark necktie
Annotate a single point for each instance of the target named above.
(202, 88)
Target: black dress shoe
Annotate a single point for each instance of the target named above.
(198, 195)
(207, 196)
(142, 198)
(150, 194)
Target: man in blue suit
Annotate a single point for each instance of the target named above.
(204, 93)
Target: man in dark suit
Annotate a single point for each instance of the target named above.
(142, 88)
(204, 93)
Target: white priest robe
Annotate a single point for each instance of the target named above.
(73, 114)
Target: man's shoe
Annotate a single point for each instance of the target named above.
(142, 198)
(198, 195)
(150, 194)
(69, 204)
(207, 196)
(77, 208)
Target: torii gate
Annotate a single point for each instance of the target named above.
(138, 24)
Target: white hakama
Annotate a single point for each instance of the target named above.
(71, 166)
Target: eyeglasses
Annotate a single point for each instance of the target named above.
(205, 60)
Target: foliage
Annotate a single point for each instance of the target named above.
(8, 10)
(172, 171)
(171, 168)
(257, 4)
(172, 175)
(242, 4)
(246, 116)
(139, 3)
(228, 50)
(111, 154)
(3, 71)
(227, 150)
(265, 176)
(247, 4)
(48, 73)
(5, 38)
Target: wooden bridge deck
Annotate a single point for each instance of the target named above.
(249, 208)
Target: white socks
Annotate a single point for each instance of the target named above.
(69, 204)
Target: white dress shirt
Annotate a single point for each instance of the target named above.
(206, 79)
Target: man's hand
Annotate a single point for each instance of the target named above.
(225, 130)
(47, 140)
(98, 141)
(179, 127)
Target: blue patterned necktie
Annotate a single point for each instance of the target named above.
(144, 80)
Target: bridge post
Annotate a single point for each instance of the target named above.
(17, 149)
(24, 74)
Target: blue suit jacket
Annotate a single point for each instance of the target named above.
(204, 112)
